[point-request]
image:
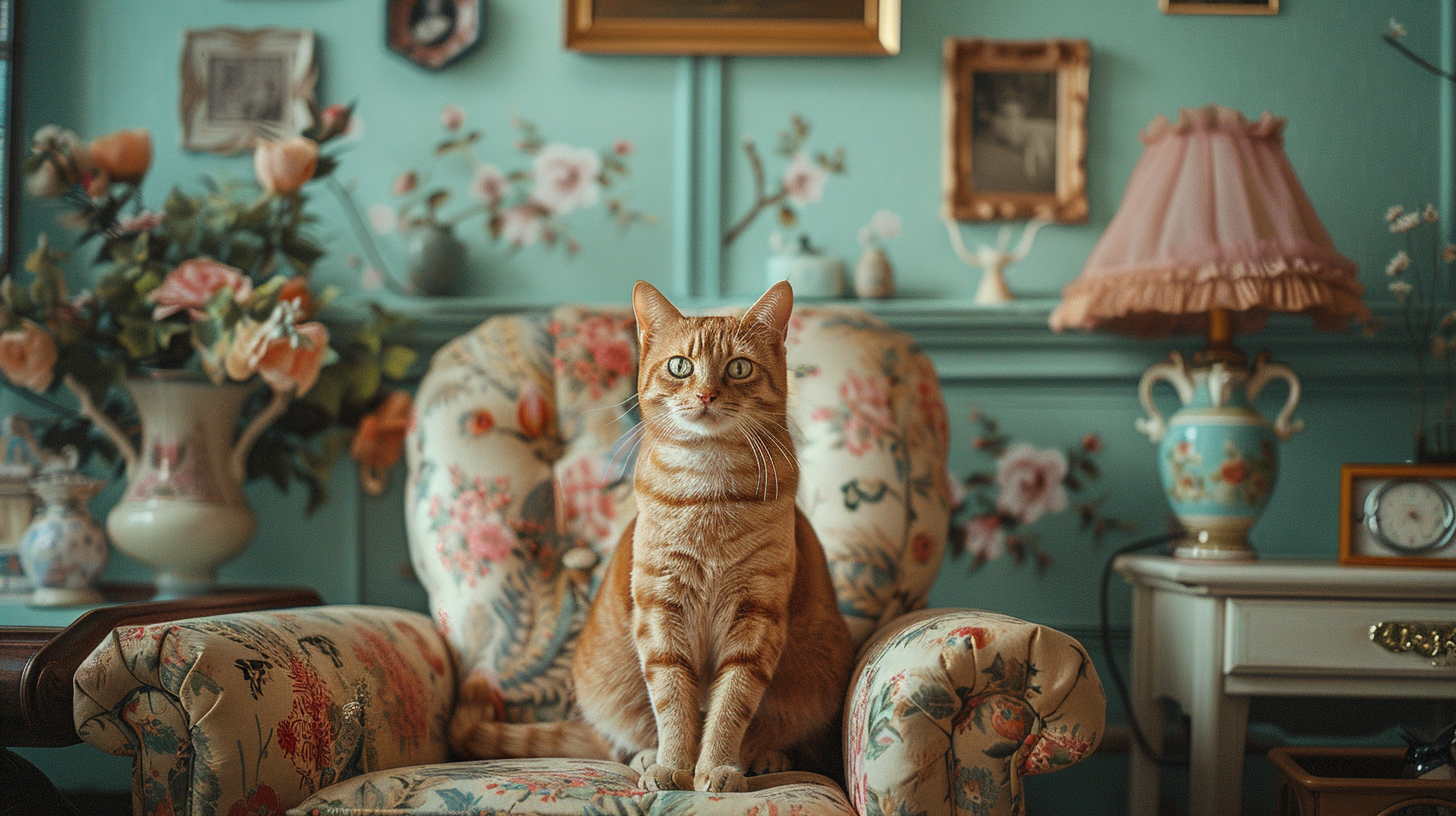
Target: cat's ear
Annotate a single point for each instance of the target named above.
(773, 309)
(652, 309)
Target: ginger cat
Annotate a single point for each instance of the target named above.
(720, 574)
(678, 664)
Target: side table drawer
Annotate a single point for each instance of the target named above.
(1325, 637)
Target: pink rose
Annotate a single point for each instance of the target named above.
(623, 147)
(566, 178)
(1030, 482)
(283, 167)
(334, 121)
(193, 283)
(985, 538)
(490, 539)
(28, 356)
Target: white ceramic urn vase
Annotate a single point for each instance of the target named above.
(184, 512)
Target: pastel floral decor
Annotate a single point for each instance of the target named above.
(522, 206)
(993, 508)
(801, 184)
(216, 282)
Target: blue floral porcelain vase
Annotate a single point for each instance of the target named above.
(64, 548)
(1217, 455)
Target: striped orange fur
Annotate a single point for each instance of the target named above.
(720, 574)
(678, 665)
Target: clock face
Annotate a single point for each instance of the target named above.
(1410, 515)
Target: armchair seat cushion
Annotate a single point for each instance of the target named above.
(556, 787)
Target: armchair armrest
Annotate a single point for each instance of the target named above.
(948, 709)
(263, 708)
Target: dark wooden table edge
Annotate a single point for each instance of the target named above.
(38, 664)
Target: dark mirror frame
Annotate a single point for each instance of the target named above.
(12, 141)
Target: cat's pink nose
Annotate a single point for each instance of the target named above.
(708, 397)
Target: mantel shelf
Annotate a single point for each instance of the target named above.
(973, 342)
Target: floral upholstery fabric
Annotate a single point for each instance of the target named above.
(966, 702)
(557, 787)
(519, 486)
(250, 713)
(520, 480)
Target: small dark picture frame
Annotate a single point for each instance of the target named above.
(1015, 143)
(433, 33)
(1219, 6)
(1401, 515)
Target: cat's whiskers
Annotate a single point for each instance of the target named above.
(761, 487)
(638, 431)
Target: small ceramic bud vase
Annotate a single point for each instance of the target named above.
(64, 548)
(873, 275)
(436, 261)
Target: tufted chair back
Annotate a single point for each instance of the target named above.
(520, 485)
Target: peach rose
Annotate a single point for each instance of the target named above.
(193, 283)
(283, 167)
(28, 356)
(295, 291)
(124, 155)
(379, 442)
(282, 358)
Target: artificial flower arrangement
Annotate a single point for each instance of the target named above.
(991, 510)
(523, 206)
(801, 184)
(217, 282)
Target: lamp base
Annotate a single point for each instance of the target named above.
(1213, 539)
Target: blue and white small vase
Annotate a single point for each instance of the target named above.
(64, 548)
(1217, 456)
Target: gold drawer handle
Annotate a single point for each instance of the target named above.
(1433, 639)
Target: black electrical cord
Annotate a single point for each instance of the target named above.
(1117, 680)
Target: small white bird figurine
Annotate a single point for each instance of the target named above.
(992, 289)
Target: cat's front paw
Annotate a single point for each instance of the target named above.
(644, 759)
(769, 762)
(721, 779)
(657, 777)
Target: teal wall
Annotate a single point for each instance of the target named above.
(1366, 130)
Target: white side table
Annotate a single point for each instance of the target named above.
(1209, 636)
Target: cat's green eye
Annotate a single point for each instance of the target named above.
(739, 368)
(679, 367)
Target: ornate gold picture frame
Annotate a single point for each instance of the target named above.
(1016, 129)
(241, 86)
(1219, 6)
(758, 27)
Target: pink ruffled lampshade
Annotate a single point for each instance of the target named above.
(1213, 217)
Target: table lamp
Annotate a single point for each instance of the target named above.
(1214, 232)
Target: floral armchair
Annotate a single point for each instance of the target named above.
(517, 490)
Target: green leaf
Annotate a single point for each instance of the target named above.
(137, 337)
(396, 361)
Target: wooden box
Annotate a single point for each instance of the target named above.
(1354, 782)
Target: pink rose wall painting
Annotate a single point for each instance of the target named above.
(994, 509)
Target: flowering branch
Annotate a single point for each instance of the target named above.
(802, 182)
(1393, 38)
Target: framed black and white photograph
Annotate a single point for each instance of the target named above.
(793, 27)
(241, 86)
(1219, 6)
(1016, 129)
(433, 33)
